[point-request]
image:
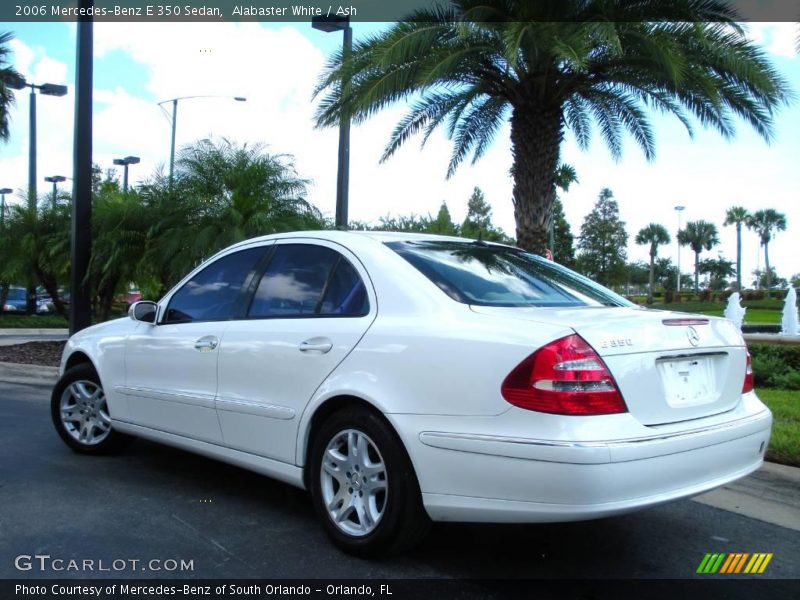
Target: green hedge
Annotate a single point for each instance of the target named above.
(776, 366)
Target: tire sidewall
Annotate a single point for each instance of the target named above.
(402, 488)
(76, 373)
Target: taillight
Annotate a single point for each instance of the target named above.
(748, 384)
(566, 377)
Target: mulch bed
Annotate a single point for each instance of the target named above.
(33, 353)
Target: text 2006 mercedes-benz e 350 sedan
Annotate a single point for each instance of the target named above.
(407, 378)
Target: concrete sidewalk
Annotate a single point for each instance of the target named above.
(771, 494)
(11, 336)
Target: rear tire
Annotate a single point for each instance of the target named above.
(80, 413)
(364, 487)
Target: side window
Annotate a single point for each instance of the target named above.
(345, 295)
(211, 295)
(303, 280)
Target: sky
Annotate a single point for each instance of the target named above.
(276, 65)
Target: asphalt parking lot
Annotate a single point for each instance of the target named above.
(153, 502)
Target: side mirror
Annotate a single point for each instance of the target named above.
(144, 311)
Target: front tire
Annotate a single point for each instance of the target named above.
(364, 487)
(80, 413)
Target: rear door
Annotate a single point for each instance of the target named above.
(309, 308)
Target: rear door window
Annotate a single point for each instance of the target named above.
(306, 280)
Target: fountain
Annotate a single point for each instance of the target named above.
(789, 325)
(734, 311)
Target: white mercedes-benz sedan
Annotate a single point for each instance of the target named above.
(407, 378)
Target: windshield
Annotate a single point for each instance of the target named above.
(488, 275)
(16, 294)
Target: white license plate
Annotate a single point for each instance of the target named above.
(688, 381)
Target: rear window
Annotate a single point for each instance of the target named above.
(489, 275)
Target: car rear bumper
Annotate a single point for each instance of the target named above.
(491, 478)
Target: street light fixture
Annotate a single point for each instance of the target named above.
(55, 180)
(173, 120)
(679, 209)
(18, 82)
(124, 162)
(328, 25)
(3, 192)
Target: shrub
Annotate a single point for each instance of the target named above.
(790, 380)
(776, 366)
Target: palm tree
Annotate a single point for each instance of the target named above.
(656, 235)
(737, 215)
(698, 235)
(545, 66)
(6, 95)
(223, 193)
(766, 223)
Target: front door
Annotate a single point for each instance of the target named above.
(171, 367)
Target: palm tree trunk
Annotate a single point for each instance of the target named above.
(536, 135)
(652, 277)
(3, 296)
(739, 257)
(769, 273)
(696, 272)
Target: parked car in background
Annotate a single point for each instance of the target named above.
(15, 301)
(405, 378)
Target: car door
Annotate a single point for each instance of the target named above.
(309, 309)
(171, 367)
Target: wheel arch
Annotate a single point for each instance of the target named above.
(326, 409)
(79, 357)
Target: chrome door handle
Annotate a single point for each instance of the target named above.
(320, 345)
(206, 343)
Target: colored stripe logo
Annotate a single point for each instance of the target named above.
(734, 562)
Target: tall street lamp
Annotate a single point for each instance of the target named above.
(174, 121)
(328, 25)
(679, 209)
(3, 192)
(18, 82)
(55, 180)
(124, 162)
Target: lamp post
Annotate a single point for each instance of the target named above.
(80, 307)
(55, 180)
(3, 192)
(48, 89)
(679, 209)
(173, 120)
(124, 162)
(328, 25)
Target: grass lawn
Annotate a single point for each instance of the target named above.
(32, 322)
(784, 447)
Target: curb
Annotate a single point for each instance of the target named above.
(28, 374)
(14, 332)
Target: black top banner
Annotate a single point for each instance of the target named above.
(300, 11)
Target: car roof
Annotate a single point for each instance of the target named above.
(343, 237)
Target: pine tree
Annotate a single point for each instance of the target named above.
(603, 241)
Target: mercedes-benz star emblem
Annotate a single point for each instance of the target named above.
(694, 337)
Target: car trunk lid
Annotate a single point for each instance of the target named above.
(669, 366)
